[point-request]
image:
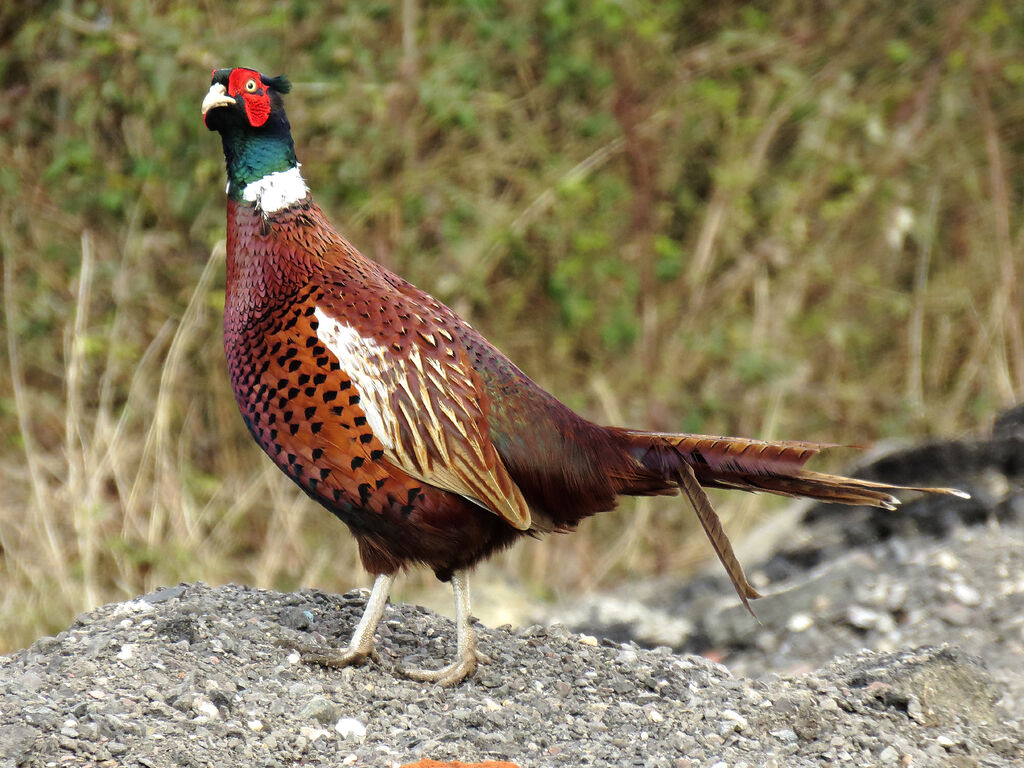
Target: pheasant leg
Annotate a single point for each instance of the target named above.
(361, 644)
(467, 656)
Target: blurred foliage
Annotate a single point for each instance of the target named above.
(785, 219)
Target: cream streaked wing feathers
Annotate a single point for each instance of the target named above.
(427, 413)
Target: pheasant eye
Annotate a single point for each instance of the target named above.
(251, 86)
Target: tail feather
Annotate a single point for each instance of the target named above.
(763, 465)
(719, 539)
(693, 461)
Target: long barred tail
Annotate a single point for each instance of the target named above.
(693, 461)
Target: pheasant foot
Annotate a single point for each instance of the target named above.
(334, 657)
(453, 674)
(361, 645)
(467, 656)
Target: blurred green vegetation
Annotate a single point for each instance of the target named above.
(778, 219)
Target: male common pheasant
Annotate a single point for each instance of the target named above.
(393, 413)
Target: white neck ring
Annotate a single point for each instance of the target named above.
(276, 191)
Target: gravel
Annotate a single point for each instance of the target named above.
(903, 649)
(197, 676)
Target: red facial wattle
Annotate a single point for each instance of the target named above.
(248, 86)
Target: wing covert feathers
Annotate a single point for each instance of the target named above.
(440, 434)
(425, 406)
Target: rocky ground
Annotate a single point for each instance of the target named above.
(199, 676)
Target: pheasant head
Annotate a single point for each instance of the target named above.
(246, 108)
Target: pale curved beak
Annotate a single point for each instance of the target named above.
(217, 96)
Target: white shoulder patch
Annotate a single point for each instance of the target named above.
(276, 191)
(363, 360)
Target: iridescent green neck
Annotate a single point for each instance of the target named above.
(252, 156)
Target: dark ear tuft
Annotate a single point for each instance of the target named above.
(280, 83)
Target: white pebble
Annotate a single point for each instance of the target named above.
(861, 617)
(889, 756)
(736, 721)
(255, 725)
(126, 652)
(966, 595)
(915, 711)
(208, 708)
(132, 606)
(947, 561)
(491, 705)
(800, 622)
(350, 728)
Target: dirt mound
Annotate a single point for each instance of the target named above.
(196, 676)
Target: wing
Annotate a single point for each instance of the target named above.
(422, 398)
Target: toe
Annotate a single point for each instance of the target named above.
(453, 674)
(332, 657)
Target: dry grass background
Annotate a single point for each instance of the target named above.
(783, 219)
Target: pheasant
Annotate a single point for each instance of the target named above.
(392, 412)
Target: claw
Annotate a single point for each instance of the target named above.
(331, 657)
(338, 658)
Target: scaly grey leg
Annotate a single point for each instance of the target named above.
(467, 654)
(361, 644)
